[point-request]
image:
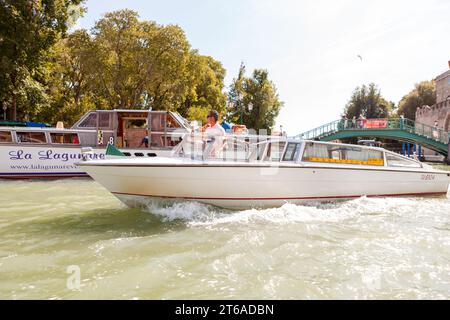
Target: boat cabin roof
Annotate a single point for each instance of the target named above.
(108, 119)
(37, 129)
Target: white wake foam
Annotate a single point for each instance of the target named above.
(185, 210)
(195, 213)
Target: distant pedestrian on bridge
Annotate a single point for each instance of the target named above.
(436, 130)
(344, 122)
(361, 121)
(402, 121)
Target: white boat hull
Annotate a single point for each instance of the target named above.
(246, 186)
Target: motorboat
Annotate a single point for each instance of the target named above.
(266, 174)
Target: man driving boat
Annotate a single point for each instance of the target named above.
(213, 132)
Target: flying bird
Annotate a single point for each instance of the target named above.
(359, 57)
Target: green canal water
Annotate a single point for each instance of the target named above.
(71, 239)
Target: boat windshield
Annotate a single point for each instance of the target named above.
(274, 150)
(292, 151)
(181, 120)
(400, 161)
(89, 120)
(223, 148)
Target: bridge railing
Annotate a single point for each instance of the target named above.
(320, 131)
(404, 124)
(430, 132)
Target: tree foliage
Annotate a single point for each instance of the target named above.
(208, 76)
(122, 63)
(259, 92)
(70, 81)
(368, 102)
(424, 93)
(140, 64)
(28, 29)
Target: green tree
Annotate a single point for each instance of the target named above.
(140, 64)
(129, 64)
(368, 101)
(122, 63)
(28, 29)
(70, 79)
(235, 97)
(206, 91)
(260, 93)
(424, 93)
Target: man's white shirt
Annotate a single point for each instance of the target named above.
(217, 144)
(215, 130)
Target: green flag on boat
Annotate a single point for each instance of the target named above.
(113, 151)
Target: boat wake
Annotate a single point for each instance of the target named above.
(198, 214)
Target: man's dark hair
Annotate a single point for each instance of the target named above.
(214, 113)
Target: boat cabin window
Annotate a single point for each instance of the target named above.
(292, 150)
(90, 121)
(30, 137)
(257, 153)
(399, 161)
(275, 151)
(65, 138)
(132, 130)
(182, 121)
(332, 153)
(103, 120)
(5, 137)
(136, 124)
(157, 121)
(172, 123)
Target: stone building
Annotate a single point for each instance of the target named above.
(439, 112)
(443, 87)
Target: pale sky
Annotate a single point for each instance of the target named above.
(310, 47)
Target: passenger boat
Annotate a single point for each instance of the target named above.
(267, 174)
(30, 150)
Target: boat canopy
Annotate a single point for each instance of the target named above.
(134, 129)
(285, 150)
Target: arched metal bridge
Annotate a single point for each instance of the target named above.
(397, 129)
